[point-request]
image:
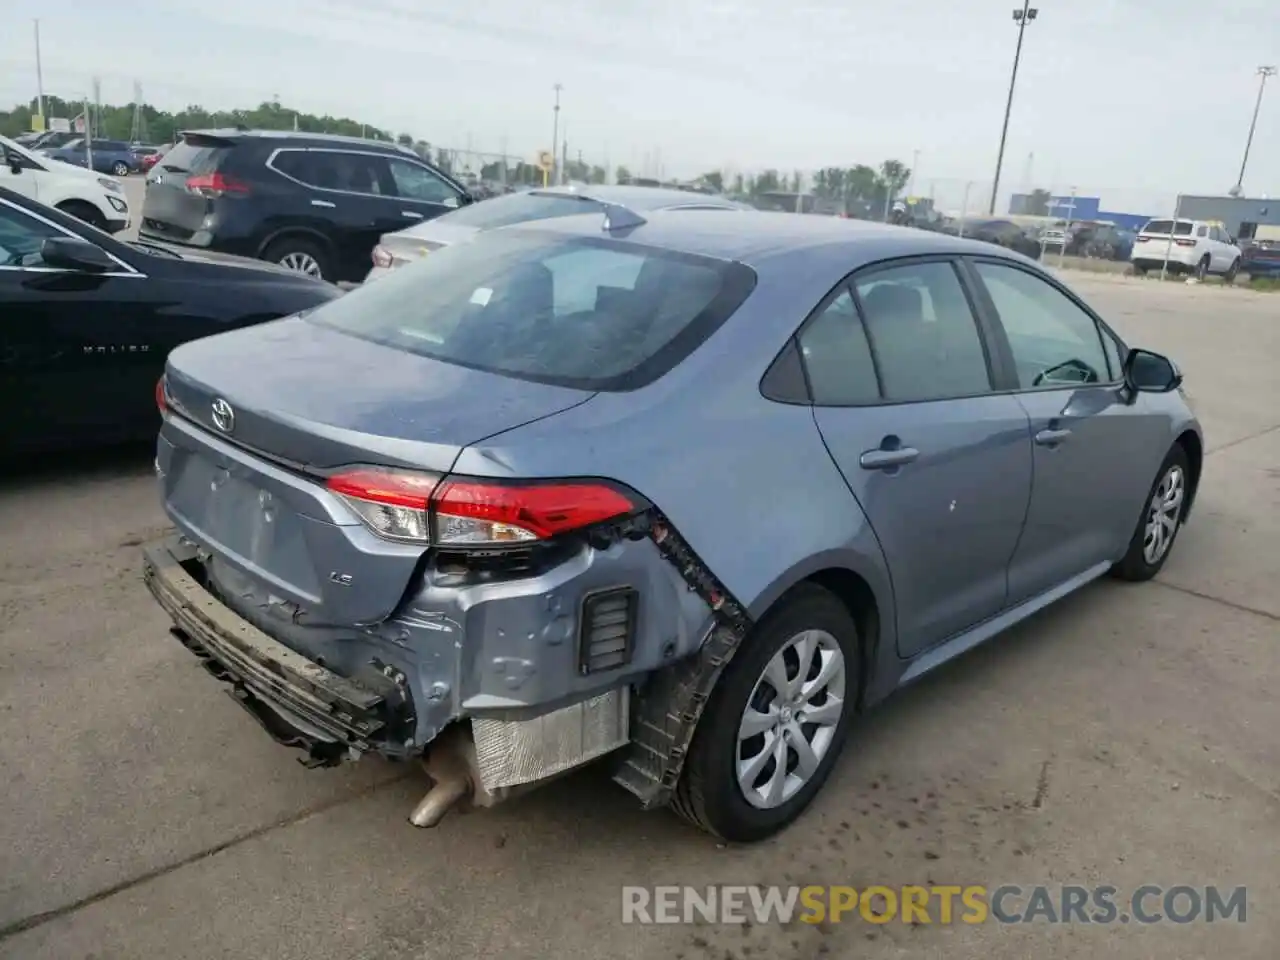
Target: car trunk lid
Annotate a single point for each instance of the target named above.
(264, 414)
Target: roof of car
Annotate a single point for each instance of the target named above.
(298, 136)
(753, 237)
(642, 198)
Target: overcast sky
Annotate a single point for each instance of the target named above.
(1147, 97)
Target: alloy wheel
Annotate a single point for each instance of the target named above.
(790, 719)
(1164, 515)
(301, 262)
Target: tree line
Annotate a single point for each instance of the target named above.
(849, 187)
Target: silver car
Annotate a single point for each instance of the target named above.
(413, 243)
(689, 489)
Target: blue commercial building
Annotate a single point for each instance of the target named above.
(1074, 208)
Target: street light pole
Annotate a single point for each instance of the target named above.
(40, 78)
(1022, 18)
(1263, 73)
(555, 139)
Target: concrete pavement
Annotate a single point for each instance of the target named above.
(1125, 736)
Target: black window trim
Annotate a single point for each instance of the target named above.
(269, 163)
(997, 374)
(126, 271)
(1000, 339)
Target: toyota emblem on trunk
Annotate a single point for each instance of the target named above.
(224, 418)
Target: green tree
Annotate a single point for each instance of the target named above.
(713, 180)
(622, 175)
(765, 182)
(599, 175)
(1038, 203)
(894, 175)
(405, 140)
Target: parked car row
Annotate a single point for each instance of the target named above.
(78, 192)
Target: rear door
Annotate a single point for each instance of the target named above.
(1085, 438)
(169, 209)
(940, 463)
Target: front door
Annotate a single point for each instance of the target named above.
(1082, 510)
(940, 464)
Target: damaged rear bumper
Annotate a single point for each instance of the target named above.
(300, 703)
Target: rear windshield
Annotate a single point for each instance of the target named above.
(194, 157)
(1182, 229)
(590, 313)
(519, 208)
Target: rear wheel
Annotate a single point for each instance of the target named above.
(776, 721)
(120, 168)
(87, 212)
(1160, 521)
(300, 254)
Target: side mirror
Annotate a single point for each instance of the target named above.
(72, 253)
(1147, 372)
(453, 203)
(14, 162)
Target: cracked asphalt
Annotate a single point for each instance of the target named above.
(1125, 736)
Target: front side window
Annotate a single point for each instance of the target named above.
(21, 237)
(592, 313)
(1054, 342)
(922, 333)
(415, 182)
(837, 356)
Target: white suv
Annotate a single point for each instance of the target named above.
(81, 193)
(1198, 247)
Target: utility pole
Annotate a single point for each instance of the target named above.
(1263, 73)
(138, 128)
(1021, 18)
(40, 79)
(97, 108)
(555, 137)
(911, 183)
(88, 135)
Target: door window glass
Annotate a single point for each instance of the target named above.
(335, 170)
(837, 356)
(1054, 342)
(415, 182)
(21, 237)
(922, 333)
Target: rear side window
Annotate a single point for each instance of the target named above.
(519, 208)
(590, 313)
(194, 157)
(923, 334)
(348, 172)
(837, 356)
(1181, 229)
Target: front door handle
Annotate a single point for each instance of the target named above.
(886, 459)
(1052, 436)
(411, 214)
(323, 203)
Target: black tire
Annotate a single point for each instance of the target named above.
(1230, 275)
(82, 210)
(1202, 268)
(1134, 566)
(1139, 270)
(120, 168)
(292, 249)
(708, 795)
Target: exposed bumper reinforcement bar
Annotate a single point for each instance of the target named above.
(299, 703)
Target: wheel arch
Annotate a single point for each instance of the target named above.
(294, 230)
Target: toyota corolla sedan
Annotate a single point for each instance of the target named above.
(684, 489)
(413, 243)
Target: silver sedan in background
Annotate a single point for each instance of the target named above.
(404, 246)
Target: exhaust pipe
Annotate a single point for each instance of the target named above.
(448, 763)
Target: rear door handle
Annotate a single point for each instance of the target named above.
(411, 214)
(323, 203)
(882, 459)
(1052, 436)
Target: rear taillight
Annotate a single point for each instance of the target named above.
(461, 512)
(216, 185)
(382, 257)
(162, 395)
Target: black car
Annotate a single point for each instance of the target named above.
(86, 322)
(315, 204)
(1003, 233)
